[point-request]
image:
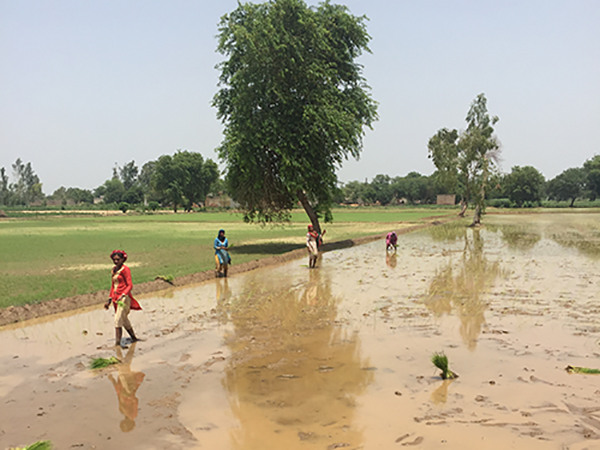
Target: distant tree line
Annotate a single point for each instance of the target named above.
(524, 186)
(186, 178)
(25, 188)
(180, 180)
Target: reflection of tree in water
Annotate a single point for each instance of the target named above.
(126, 386)
(294, 373)
(460, 288)
(517, 236)
(587, 241)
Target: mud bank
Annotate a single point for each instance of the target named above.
(14, 314)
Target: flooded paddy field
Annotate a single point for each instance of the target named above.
(339, 356)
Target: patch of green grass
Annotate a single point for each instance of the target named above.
(42, 258)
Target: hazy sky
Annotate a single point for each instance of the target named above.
(85, 84)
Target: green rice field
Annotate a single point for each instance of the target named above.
(47, 257)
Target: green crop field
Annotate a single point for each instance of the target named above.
(46, 257)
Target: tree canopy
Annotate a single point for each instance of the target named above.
(592, 172)
(294, 104)
(568, 185)
(184, 178)
(524, 184)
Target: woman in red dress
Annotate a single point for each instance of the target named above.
(120, 296)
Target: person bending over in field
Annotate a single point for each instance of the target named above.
(314, 240)
(391, 241)
(120, 296)
(222, 258)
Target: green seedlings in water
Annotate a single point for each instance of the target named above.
(40, 445)
(440, 360)
(572, 369)
(101, 363)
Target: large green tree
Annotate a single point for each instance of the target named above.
(568, 185)
(524, 184)
(294, 104)
(184, 178)
(592, 172)
(466, 160)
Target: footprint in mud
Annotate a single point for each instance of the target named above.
(417, 441)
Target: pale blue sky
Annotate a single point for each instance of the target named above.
(85, 84)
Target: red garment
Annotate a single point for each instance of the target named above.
(122, 285)
(317, 237)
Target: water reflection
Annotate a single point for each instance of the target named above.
(294, 373)
(585, 240)
(222, 300)
(459, 288)
(440, 395)
(390, 259)
(126, 385)
(518, 236)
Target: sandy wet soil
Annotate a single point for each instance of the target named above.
(337, 357)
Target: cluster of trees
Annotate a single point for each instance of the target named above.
(527, 186)
(414, 188)
(466, 160)
(179, 180)
(183, 179)
(25, 189)
(523, 186)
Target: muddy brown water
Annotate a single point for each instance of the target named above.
(337, 357)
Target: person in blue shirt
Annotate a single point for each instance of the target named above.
(222, 258)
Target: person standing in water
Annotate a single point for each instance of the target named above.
(222, 258)
(314, 240)
(120, 296)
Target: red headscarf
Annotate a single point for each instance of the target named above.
(119, 252)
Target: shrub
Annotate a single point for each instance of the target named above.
(499, 203)
(124, 206)
(153, 205)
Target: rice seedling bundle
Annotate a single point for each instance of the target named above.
(40, 445)
(440, 360)
(572, 369)
(100, 363)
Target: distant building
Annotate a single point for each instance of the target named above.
(220, 201)
(446, 199)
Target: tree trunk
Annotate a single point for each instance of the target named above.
(572, 202)
(476, 216)
(312, 215)
(480, 203)
(464, 205)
